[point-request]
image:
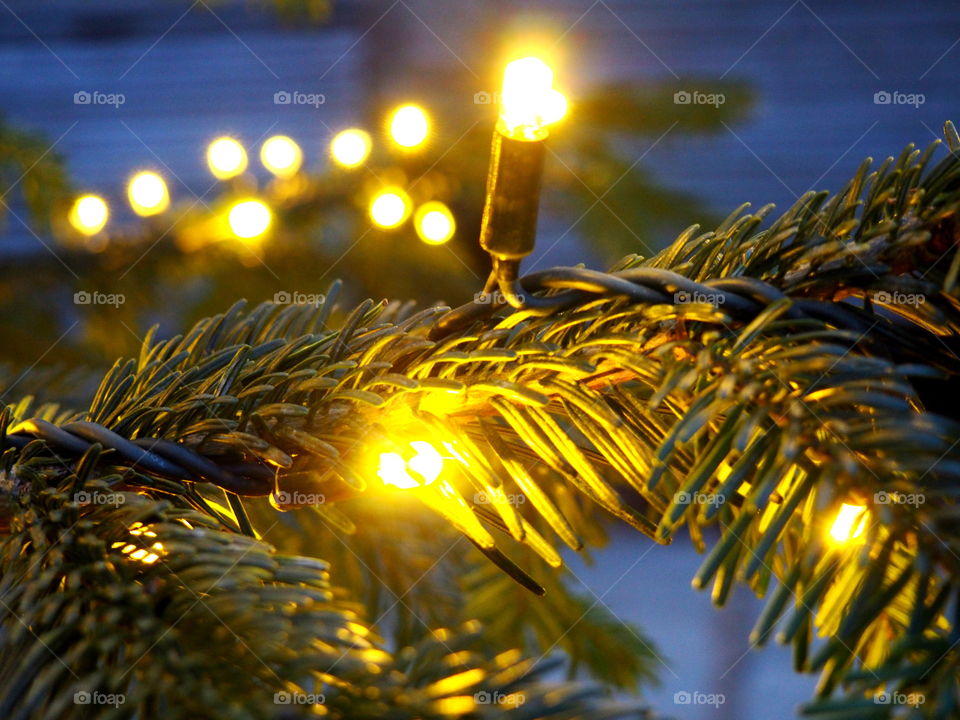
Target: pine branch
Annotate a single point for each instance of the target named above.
(773, 371)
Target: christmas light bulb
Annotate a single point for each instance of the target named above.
(409, 126)
(528, 102)
(350, 148)
(281, 156)
(434, 222)
(427, 464)
(849, 523)
(89, 214)
(249, 219)
(393, 471)
(148, 194)
(226, 158)
(390, 208)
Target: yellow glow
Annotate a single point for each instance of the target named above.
(350, 147)
(426, 463)
(226, 158)
(89, 214)
(409, 126)
(281, 156)
(390, 208)
(435, 223)
(849, 523)
(148, 194)
(249, 219)
(528, 101)
(393, 471)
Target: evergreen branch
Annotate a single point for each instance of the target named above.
(798, 381)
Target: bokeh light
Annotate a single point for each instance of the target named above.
(226, 158)
(89, 214)
(281, 155)
(409, 126)
(849, 523)
(434, 222)
(351, 147)
(389, 208)
(148, 194)
(249, 219)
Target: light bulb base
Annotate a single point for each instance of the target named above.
(508, 229)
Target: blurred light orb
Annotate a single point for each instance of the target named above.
(281, 155)
(226, 158)
(390, 208)
(849, 524)
(409, 126)
(528, 101)
(148, 194)
(350, 148)
(249, 219)
(89, 214)
(434, 222)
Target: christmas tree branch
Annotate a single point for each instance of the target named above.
(745, 378)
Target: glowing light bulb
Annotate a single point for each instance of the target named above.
(148, 194)
(350, 148)
(528, 101)
(434, 222)
(249, 219)
(393, 471)
(390, 208)
(849, 523)
(409, 126)
(89, 214)
(427, 463)
(281, 156)
(226, 158)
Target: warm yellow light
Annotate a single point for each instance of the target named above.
(427, 463)
(393, 471)
(226, 158)
(350, 148)
(435, 223)
(849, 523)
(281, 156)
(390, 208)
(528, 102)
(148, 194)
(409, 126)
(249, 219)
(89, 214)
